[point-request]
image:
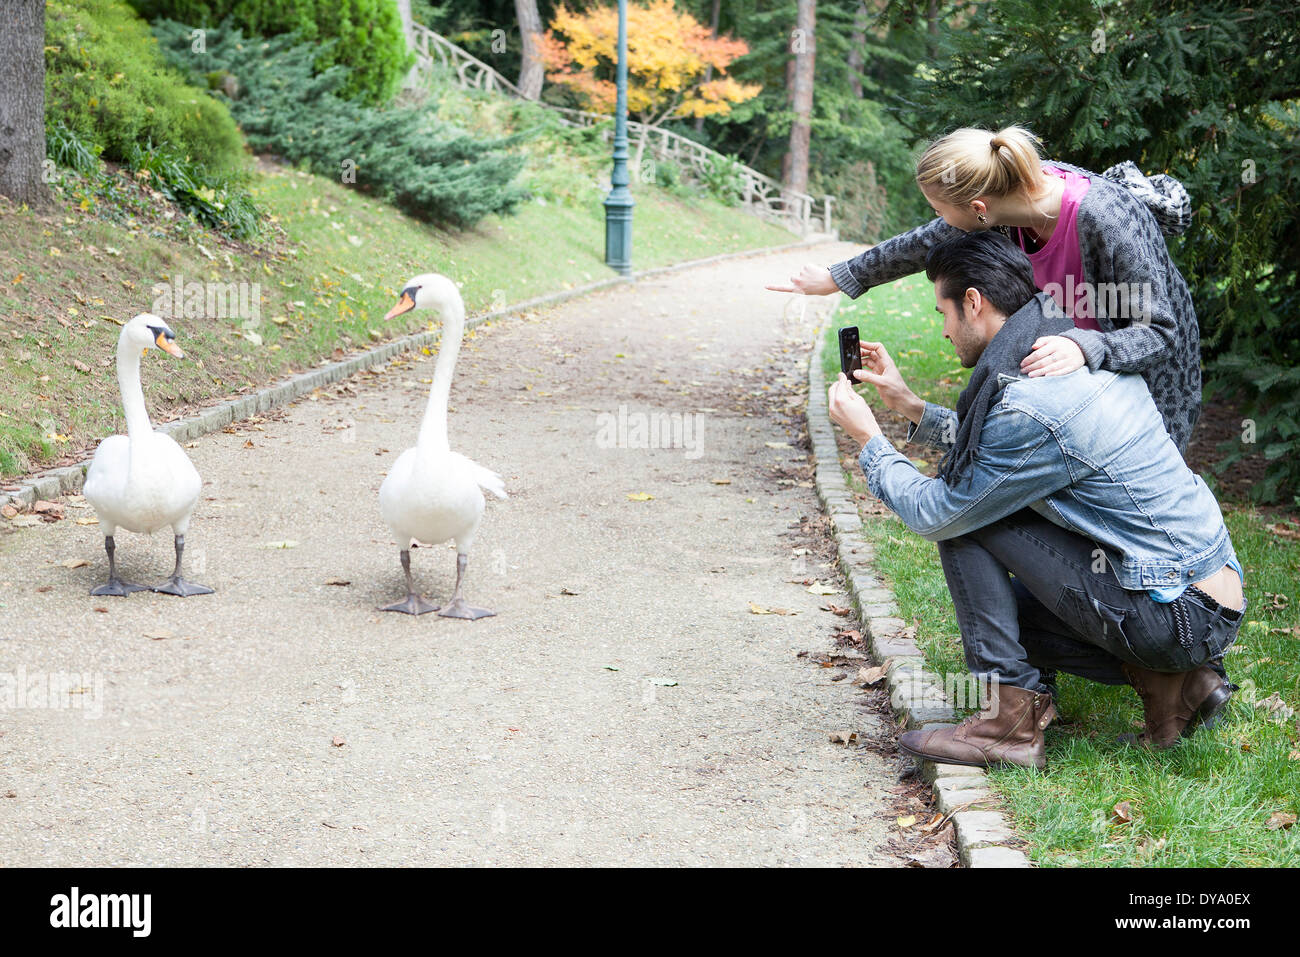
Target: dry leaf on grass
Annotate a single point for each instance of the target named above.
(1122, 813)
(1280, 821)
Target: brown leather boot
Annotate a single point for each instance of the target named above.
(1175, 705)
(1008, 731)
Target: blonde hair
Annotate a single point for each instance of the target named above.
(971, 162)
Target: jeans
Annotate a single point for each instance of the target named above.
(1065, 610)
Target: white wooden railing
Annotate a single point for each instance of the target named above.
(759, 194)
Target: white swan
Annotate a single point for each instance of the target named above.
(142, 481)
(432, 494)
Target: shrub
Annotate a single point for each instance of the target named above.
(211, 198)
(106, 82)
(368, 35)
(404, 156)
(722, 179)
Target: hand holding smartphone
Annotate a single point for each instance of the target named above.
(850, 353)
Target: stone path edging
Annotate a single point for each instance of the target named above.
(915, 694)
(51, 483)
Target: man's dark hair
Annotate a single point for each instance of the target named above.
(983, 260)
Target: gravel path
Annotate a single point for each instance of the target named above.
(625, 707)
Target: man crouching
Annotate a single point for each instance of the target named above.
(1073, 536)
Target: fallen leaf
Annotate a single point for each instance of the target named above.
(102, 611)
(248, 444)
(1285, 531)
(1280, 821)
(45, 588)
(159, 635)
(640, 496)
(844, 737)
(1122, 813)
(75, 563)
(870, 676)
(836, 609)
(777, 445)
(80, 366)
(337, 581)
(721, 481)
(906, 821)
(821, 588)
(88, 520)
(8, 511)
(1278, 709)
(567, 591)
(338, 741)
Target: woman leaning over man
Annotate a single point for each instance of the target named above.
(1096, 246)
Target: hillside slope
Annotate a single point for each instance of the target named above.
(321, 278)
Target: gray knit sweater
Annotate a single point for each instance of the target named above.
(1120, 243)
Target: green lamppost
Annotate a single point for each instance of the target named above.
(618, 204)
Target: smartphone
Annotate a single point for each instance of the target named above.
(850, 352)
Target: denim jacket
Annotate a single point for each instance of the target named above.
(1088, 451)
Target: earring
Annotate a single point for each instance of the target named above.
(983, 219)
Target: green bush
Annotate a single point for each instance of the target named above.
(368, 34)
(723, 180)
(211, 198)
(106, 82)
(404, 156)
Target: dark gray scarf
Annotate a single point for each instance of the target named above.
(1040, 316)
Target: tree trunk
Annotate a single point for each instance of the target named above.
(531, 69)
(932, 27)
(857, 42)
(22, 103)
(804, 48)
(404, 11)
(708, 70)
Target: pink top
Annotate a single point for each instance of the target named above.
(1058, 266)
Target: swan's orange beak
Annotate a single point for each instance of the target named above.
(405, 304)
(169, 345)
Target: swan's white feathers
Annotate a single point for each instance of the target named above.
(141, 481)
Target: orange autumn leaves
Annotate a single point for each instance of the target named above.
(668, 55)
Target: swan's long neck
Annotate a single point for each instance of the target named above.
(433, 432)
(128, 381)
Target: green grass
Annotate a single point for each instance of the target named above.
(1205, 803)
(329, 268)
